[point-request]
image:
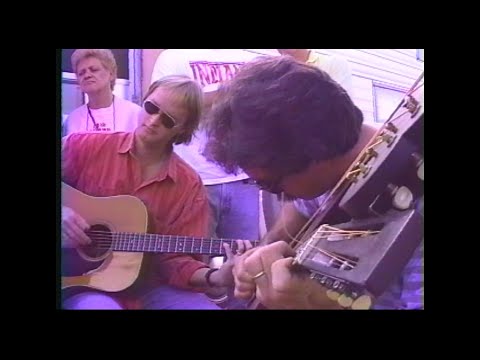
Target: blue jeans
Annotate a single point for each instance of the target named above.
(161, 298)
(235, 207)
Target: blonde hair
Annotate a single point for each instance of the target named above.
(191, 95)
(105, 56)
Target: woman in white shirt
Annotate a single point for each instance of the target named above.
(96, 71)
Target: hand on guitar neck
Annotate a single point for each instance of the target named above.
(267, 273)
(73, 229)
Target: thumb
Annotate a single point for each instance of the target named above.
(282, 276)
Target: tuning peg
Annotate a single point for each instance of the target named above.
(419, 164)
(333, 295)
(420, 172)
(402, 197)
(344, 301)
(364, 302)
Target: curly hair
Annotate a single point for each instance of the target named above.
(280, 115)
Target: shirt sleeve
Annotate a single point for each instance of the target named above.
(177, 269)
(308, 207)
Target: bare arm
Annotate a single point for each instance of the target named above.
(290, 219)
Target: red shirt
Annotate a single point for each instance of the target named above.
(100, 164)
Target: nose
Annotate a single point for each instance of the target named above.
(152, 120)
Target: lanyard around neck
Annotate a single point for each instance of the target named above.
(95, 125)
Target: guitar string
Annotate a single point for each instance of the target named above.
(344, 181)
(103, 242)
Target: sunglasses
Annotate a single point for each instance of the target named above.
(153, 109)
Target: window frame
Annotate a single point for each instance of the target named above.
(381, 85)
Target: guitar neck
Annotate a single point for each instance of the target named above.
(153, 243)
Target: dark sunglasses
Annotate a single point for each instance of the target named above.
(153, 109)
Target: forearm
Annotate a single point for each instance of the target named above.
(199, 278)
(289, 222)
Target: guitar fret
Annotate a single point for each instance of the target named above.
(138, 242)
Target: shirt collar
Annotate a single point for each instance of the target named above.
(170, 168)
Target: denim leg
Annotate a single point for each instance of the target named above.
(215, 201)
(236, 206)
(91, 301)
(239, 213)
(170, 298)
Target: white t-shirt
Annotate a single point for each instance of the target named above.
(122, 115)
(207, 66)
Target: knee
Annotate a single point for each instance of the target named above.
(91, 301)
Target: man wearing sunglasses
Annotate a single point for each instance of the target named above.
(143, 164)
(234, 202)
(294, 131)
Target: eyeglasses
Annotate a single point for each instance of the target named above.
(152, 109)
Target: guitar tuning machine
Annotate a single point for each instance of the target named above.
(389, 139)
(391, 127)
(412, 105)
(402, 197)
(418, 158)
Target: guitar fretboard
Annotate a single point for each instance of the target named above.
(130, 242)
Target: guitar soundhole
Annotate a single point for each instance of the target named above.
(101, 237)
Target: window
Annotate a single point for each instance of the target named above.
(385, 100)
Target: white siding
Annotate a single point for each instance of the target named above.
(394, 68)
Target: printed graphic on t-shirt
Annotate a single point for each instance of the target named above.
(103, 127)
(206, 72)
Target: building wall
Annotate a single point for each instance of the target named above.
(373, 71)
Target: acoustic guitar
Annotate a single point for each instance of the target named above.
(118, 226)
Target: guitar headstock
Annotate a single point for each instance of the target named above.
(389, 171)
